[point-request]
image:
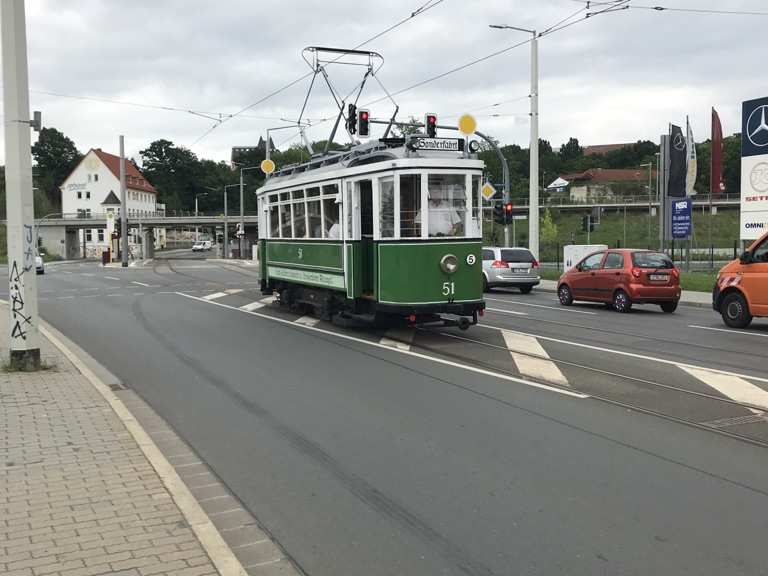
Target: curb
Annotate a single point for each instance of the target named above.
(207, 534)
(682, 302)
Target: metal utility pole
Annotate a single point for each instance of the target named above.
(533, 178)
(123, 206)
(650, 173)
(661, 188)
(197, 227)
(242, 205)
(24, 338)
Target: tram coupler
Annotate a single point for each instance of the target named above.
(462, 322)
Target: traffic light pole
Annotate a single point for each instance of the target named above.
(123, 207)
(24, 338)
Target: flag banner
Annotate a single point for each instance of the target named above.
(754, 169)
(678, 163)
(691, 165)
(716, 183)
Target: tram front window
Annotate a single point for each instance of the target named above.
(447, 204)
(410, 205)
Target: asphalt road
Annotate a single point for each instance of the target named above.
(544, 441)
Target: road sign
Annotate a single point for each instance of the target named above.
(442, 144)
(267, 166)
(682, 221)
(467, 124)
(488, 191)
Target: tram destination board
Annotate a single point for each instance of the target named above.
(442, 144)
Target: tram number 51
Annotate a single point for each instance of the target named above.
(449, 289)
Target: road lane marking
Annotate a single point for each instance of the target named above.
(307, 321)
(419, 355)
(233, 290)
(252, 306)
(400, 338)
(268, 300)
(531, 359)
(733, 387)
(215, 295)
(558, 308)
(139, 283)
(513, 312)
(109, 277)
(626, 354)
(729, 331)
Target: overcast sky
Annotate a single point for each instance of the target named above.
(614, 78)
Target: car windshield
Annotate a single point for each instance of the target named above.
(517, 256)
(651, 260)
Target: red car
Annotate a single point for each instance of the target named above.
(622, 278)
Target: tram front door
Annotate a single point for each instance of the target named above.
(365, 188)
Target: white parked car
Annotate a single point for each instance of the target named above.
(39, 265)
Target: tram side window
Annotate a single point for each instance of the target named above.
(314, 217)
(410, 205)
(274, 222)
(299, 215)
(285, 221)
(447, 204)
(477, 213)
(348, 200)
(387, 207)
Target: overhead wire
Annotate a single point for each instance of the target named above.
(703, 11)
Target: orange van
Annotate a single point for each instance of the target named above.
(741, 291)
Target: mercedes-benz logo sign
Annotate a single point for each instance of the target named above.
(758, 178)
(757, 126)
(679, 142)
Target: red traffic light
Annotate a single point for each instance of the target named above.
(364, 115)
(431, 119)
(430, 123)
(508, 207)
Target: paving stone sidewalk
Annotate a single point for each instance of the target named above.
(77, 495)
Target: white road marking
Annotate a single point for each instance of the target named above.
(109, 277)
(252, 306)
(558, 308)
(400, 338)
(626, 354)
(215, 295)
(436, 360)
(87, 274)
(268, 300)
(234, 290)
(734, 387)
(531, 358)
(729, 331)
(513, 312)
(307, 321)
(139, 283)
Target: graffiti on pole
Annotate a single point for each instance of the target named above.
(20, 319)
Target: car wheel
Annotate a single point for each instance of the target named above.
(565, 295)
(669, 307)
(621, 301)
(486, 288)
(526, 289)
(735, 311)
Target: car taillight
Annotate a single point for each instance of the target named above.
(499, 264)
(535, 263)
(675, 272)
(636, 272)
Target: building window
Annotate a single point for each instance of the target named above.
(101, 234)
(87, 212)
(87, 195)
(79, 195)
(89, 177)
(95, 177)
(88, 235)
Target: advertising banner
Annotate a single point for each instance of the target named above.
(678, 163)
(754, 169)
(682, 218)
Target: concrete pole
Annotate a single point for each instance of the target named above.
(242, 218)
(226, 229)
(197, 227)
(24, 338)
(533, 217)
(123, 206)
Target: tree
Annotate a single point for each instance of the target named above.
(172, 170)
(548, 229)
(55, 157)
(403, 131)
(571, 150)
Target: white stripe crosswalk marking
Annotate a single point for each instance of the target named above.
(531, 359)
(215, 295)
(252, 306)
(733, 387)
(307, 320)
(234, 290)
(400, 338)
(268, 300)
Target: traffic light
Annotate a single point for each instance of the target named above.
(587, 224)
(508, 210)
(498, 214)
(351, 118)
(363, 123)
(118, 230)
(430, 123)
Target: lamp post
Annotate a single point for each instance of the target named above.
(242, 203)
(533, 185)
(197, 227)
(650, 172)
(226, 228)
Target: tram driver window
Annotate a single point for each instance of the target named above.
(410, 205)
(331, 216)
(387, 207)
(476, 206)
(447, 204)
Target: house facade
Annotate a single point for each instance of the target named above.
(93, 190)
(598, 184)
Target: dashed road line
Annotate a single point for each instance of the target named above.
(215, 295)
(731, 386)
(139, 283)
(400, 338)
(502, 311)
(307, 321)
(729, 331)
(233, 290)
(531, 359)
(252, 306)
(532, 305)
(111, 278)
(268, 300)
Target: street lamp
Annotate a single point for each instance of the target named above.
(226, 228)
(242, 204)
(197, 227)
(533, 185)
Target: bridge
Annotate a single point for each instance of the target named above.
(78, 221)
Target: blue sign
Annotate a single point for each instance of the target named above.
(682, 218)
(754, 127)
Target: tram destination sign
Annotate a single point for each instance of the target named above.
(442, 144)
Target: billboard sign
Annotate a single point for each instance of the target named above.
(754, 168)
(682, 218)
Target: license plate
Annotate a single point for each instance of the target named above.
(658, 277)
(520, 270)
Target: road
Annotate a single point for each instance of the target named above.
(544, 441)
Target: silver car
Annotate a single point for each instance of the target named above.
(510, 267)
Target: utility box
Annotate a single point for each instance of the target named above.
(574, 253)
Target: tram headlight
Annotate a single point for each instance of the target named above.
(449, 263)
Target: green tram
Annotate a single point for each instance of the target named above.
(385, 230)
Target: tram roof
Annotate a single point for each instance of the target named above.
(367, 158)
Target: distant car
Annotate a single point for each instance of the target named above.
(510, 267)
(201, 246)
(622, 278)
(39, 265)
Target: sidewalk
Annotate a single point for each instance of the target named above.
(78, 494)
(687, 298)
